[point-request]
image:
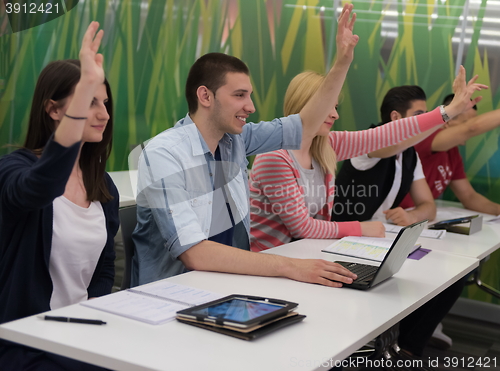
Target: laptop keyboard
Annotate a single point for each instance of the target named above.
(363, 271)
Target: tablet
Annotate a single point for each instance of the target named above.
(443, 224)
(240, 311)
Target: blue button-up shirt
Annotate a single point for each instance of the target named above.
(176, 190)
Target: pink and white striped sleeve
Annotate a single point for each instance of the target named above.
(349, 144)
(278, 183)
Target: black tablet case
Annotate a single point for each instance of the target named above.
(264, 330)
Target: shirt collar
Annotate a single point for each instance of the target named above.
(198, 144)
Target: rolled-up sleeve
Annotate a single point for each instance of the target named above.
(267, 136)
(292, 132)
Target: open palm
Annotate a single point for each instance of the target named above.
(91, 61)
(346, 40)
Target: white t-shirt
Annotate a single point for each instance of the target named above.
(313, 184)
(365, 163)
(78, 238)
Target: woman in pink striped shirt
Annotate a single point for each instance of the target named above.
(292, 191)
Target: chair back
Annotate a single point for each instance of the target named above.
(128, 221)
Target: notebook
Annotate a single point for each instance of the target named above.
(369, 248)
(370, 275)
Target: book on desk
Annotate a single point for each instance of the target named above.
(369, 248)
(155, 303)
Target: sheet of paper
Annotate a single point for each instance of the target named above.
(495, 220)
(370, 248)
(139, 307)
(154, 303)
(178, 293)
(445, 213)
(428, 233)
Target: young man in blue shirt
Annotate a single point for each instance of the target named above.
(193, 197)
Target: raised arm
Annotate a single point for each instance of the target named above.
(458, 134)
(458, 105)
(70, 130)
(402, 146)
(462, 100)
(324, 99)
(349, 144)
(28, 186)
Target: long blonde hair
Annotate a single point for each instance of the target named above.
(301, 89)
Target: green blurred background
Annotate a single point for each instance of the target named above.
(149, 46)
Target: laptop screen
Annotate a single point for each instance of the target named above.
(399, 251)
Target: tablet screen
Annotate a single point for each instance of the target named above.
(238, 310)
(456, 220)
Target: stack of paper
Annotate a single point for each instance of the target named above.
(428, 233)
(154, 303)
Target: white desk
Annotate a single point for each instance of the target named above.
(477, 245)
(338, 322)
(126, 182)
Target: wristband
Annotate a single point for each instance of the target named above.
(85, 118)
(444, 115)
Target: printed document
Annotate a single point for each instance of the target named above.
(154, 303)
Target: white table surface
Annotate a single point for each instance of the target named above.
(338, 322)
(126, 183)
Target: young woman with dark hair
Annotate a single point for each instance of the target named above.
(58, 207)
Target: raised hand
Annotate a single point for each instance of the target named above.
(463, 93)
(91, 62)
(346, 40)
(71, 126)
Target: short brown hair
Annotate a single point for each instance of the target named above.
(399, 99)
(210, 70)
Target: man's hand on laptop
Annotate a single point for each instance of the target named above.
(319, 271)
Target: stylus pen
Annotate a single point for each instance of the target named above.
(74, 320)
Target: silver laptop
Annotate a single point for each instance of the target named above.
(369, 275)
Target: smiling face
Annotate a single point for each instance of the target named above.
(97, 116)
(325, 128)
(232, 104)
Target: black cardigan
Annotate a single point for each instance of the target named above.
(28, 186)
(359, 194)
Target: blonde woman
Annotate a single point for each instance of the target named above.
(292, 191)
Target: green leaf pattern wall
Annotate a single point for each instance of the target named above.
(149, 46)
